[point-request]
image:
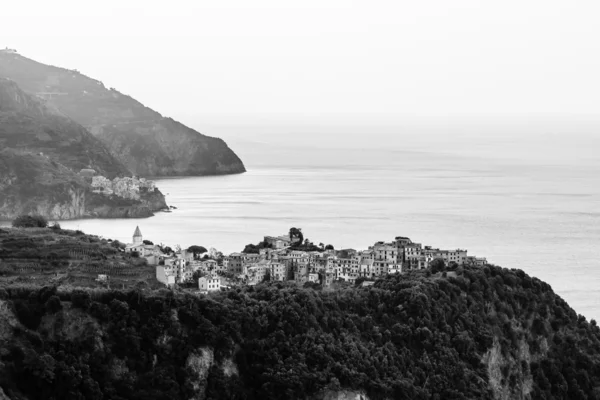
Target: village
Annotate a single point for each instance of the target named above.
(289, 258)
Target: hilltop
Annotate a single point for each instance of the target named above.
(42, 153)
(147, 143)
(473, 333)
(444, 332)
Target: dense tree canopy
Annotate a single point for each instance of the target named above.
(407, 336)
(255, 248)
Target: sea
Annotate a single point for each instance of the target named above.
(524, 194)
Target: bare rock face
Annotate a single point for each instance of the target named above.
(342, 395)
(199, 364)
(3, 395)
(509, 376)
(147, 143)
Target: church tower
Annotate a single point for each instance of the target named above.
(137, 236)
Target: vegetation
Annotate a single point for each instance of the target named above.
(197, 250)
(296, 235)
(255, 248)
(141, 139)
(30, 221)
(42, 256)
(407, 336)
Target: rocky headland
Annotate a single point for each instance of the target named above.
(48, 162)
(144, 141)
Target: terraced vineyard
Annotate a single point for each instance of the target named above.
(69, 258)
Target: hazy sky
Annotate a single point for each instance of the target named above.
(309, 59)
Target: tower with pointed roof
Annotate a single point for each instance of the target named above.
(137, 236)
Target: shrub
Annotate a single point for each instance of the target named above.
(53, 305)
(80, 299)
(30, 221)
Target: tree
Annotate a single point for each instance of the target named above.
(197, 250)
(322, 245)
(30, 221)
(437, 265)
(197, 275)
(267, 276)
(118, 245)
(147, 242)
(296, 235)
(329, 247)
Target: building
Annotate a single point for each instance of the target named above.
(256, 274)
(209, 265)
(209, 283)
(278, 242)
(8, 51)
(137, 236)
(150, 252)
(166, 274)
(385, 252)
(279, 271)
(233, 263)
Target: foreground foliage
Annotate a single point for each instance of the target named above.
(408, 336)
(30, 221)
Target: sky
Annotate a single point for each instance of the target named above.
(337, 60)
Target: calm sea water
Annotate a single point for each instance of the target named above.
(529, 202)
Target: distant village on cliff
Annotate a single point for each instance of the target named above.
(289, 258)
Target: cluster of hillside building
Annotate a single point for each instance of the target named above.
(128, 187)
(280, 262)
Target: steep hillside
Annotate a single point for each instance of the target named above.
(42, 256)
(27, 124)
(41, 153)
(472, 333)
(142, 139)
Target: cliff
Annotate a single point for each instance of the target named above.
(147, 143)
(472, 333)
(36, 184)
(41, 153)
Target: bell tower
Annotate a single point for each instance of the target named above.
(137, 236)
